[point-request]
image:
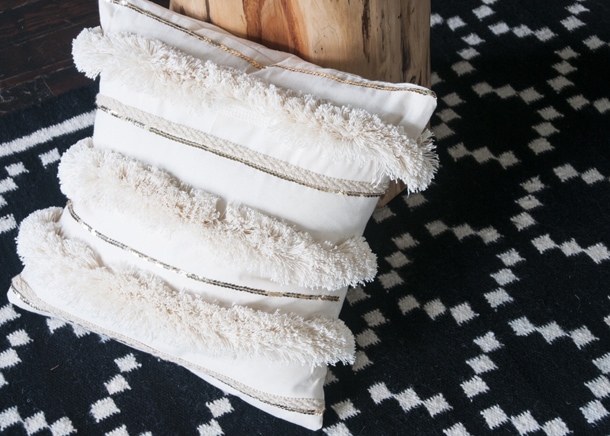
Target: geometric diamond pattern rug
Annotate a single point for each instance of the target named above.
(491, 311)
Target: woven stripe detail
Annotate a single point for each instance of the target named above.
(229, 150)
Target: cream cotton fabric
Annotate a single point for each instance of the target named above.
(216, 215)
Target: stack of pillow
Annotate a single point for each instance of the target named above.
(215, 218)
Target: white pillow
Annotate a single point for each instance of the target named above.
(216, 216)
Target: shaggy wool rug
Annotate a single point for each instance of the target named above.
(490, 314)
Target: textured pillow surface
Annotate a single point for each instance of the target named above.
(216, 215)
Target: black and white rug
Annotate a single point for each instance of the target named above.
(491, 311)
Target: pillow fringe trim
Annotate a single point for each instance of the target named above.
(344, 133)
(192, 276)
(306, 406)
(261, 244)
(141, 303)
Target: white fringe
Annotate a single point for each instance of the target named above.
(241, 236)
(340, 133)
(143, 307)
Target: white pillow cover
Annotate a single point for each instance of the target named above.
(216, 216)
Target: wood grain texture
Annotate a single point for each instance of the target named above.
(35, 48)
(377, 39)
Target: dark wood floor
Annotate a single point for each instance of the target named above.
(35, 48)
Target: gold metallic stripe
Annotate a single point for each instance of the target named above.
(426, 92)
(192, 276)
(189, 32)
(305, 406)
(220, 147)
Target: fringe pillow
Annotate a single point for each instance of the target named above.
(216, 215)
